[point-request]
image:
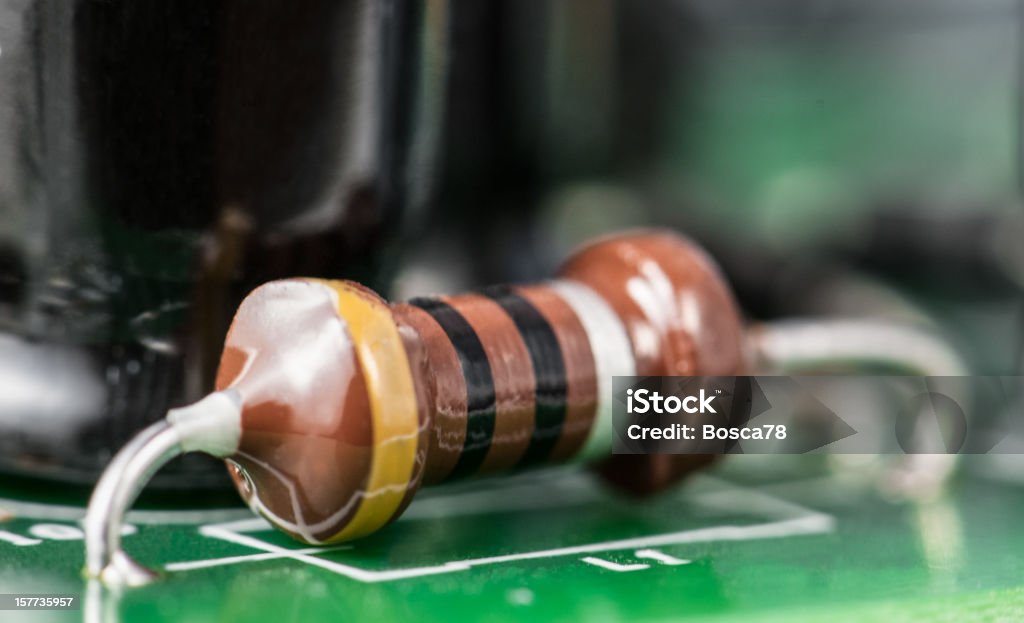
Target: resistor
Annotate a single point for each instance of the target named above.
(333, 407)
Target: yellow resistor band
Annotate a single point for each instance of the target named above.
(392, 397)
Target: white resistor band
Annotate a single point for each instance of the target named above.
(613, 355)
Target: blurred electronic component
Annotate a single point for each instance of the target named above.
(159, 161)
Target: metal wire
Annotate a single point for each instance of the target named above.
(793, 345)
(120, 484)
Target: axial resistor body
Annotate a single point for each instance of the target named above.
(349, 404)
(333, 406)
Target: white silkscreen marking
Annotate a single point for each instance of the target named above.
(788, 519)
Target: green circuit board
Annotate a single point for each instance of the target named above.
(738, 543)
